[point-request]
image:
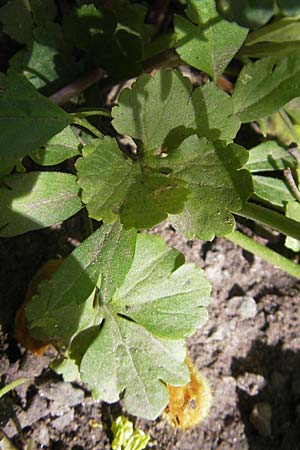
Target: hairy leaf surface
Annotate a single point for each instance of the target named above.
(34, 200)
(266, 85)
(269, 156)
(154, 107)
(27, 119)
(272, 190)
(64, 305)
(218, 186)
(207, 41)
(62, 146)
(113, 186)
(122, 304)
(151, 113)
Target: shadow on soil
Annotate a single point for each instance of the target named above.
(281, 370)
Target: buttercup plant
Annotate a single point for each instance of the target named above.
(121, 305)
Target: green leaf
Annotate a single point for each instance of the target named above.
(125, 438)
(19, 17)
(62, 146)
(218, 186)
(272, 190)
(289, 7)
(280, 31)
(35, 118)
(43, 11)
(279, 38)
(248, 13)
(126, 357)
(214, 113)
(161, 111)
(280, 126)
(153, 308)
(116, 47)
(6, 165)
(131, 355)
(65, 304)
(293, 109)
(269, 156)
(266, 85)
(112, 185)
(136, 292)
(153, 107)
(17, 21)
(47, 60)
(81, 24)
(293, 212)
(207, 41)
(34, 200)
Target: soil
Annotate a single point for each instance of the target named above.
(249, 350)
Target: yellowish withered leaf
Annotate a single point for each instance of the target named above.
(189, 404)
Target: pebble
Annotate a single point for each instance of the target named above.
(244, 306)
(260, 418)
(62, 396)
(251, 383)
(43, 437)
(63, 421)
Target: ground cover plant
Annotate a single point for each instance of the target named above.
(169, 146)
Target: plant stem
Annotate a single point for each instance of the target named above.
(73, 89)
(9, 387)
(99, 112)
(265, 253)
(167, 58)
(271, 218)
(85, 124)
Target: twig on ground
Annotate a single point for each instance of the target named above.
(65, 94)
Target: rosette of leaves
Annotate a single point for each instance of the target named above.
(122, 304)
(181, 167)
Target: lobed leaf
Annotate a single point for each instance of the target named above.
(65, 303)
(137, 293)
(218, 186)
(207, 41)
(113, 186)
(153, 107)
(207, 112)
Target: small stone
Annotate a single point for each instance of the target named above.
(43, 436)
(244, 306)
(63, 421)
(251, 383)
(260, 418)
(220, 333)
(62, 396)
